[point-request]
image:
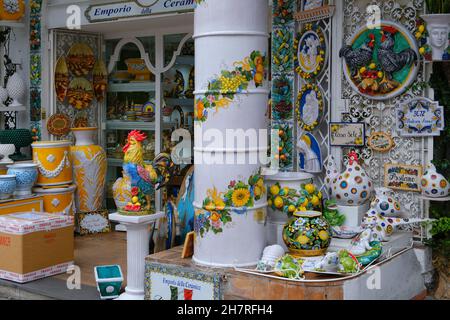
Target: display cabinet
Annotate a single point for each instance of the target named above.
(149, 92)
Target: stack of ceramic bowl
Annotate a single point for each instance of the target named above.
(54, 179)
(146, 116)
(130, 115)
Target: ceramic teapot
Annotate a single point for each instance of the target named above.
(352, 187)
(384, 204)
(434, 185)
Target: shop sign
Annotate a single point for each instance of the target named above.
(168, 282)
(93, 222)
(420, 117)
(347, 134)
(136, 8)
(402, 177)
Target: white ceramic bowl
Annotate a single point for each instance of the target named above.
(8, 185)
(6, 150)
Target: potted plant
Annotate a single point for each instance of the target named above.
(440, 231)
(438, 28)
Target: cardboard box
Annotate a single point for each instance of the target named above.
(35, 245)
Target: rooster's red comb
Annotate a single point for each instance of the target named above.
(390, 29)
(137, 135)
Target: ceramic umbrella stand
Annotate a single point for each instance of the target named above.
(231, 98)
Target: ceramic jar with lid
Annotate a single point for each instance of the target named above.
(434, 184)
(307, 234)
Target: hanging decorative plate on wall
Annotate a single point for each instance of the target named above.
(311, 49)
(309, 107)
(80, 93)
(58, 124)
(80, 59)
(381, 63)
(100, 80)
(62, 79)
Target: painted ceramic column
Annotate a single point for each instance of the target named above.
(231, 52)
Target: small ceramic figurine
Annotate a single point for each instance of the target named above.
(348, 262)
(144, 178)
(434, 184)
(384, 204)
(329, 263)
(352, 187)
(270, 255)
(361, 243)
(438, 27)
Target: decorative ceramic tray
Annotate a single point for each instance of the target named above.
(80, 59)
(58, 124)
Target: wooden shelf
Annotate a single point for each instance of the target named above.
(9, 109)
(145, 86)
(135, 125)
(12, 24)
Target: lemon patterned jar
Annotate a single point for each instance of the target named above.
(89, 170)
(307, 234)
(53, 161)
(122, 191)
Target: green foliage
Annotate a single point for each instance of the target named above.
(440, 82)
(334, 218)
(438, 6)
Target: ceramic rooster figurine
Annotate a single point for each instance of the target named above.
(145, 178)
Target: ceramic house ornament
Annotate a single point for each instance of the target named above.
(434, 184)
(352, 187)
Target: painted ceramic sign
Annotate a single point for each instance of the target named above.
(310, 107)
(311, 50)
(346, 134)
(402, 177)
(380, 141)
(128, 9)
(380, 63)
(93, 222)
(312, 4)
(420, 117)
(165, 282)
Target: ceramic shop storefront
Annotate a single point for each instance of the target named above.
(344, 120)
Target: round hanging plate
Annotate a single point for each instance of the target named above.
(80, 93)
(100, 80)
(80, 59)
(58, 124)
(309, 107)
(311, 51)
(381, 63)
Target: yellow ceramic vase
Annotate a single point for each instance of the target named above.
(89, 170)
(53, 161)
(122, 191)
(58, 199)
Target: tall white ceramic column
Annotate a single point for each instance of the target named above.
(231, 61)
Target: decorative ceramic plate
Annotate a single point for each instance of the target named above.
(149, 106)
(80, 93)
(80, 59)
(81, 122)
(380, 141)
(345, 232)
(62, 79)
(311, 51)
(310, 107)
(312, 142)
(100, 80)
(58, 124)
(380, 63)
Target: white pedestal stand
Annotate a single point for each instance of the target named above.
(353, 214)
(138, 237)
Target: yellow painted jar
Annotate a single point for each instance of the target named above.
(58, 199)
(54, 162)
(89, 168)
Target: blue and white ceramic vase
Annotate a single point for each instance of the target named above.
(7, 186)
(26, 176)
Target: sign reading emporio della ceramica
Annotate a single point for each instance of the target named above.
(136, 8)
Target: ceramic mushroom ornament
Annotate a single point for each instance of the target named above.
(352, 187)
(434, 184)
